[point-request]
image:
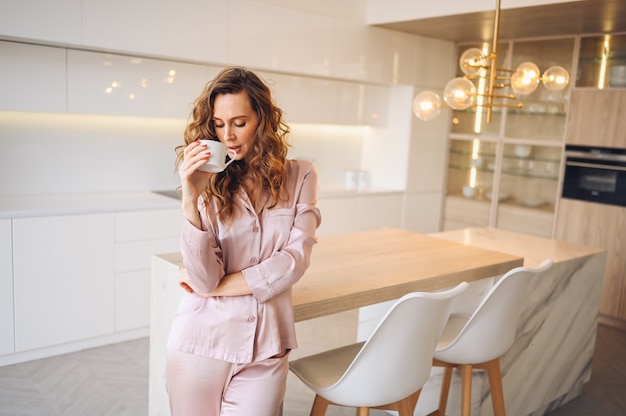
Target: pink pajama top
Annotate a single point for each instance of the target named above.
(272, 249)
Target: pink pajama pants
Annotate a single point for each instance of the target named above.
(201, 386)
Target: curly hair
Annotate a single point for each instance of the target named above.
(265, 165)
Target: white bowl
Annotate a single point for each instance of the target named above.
(522, 150)
(533, 203)
(501, 197)
(468, 191)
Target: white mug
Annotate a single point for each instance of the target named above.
(217, 160)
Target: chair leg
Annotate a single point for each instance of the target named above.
(362, 411)
(466, 383)
(406, 407)
(495, 383)
(445, 390)
(320, 405)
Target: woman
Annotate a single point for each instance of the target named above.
(246, 240)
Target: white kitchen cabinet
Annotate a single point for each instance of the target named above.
(189, 29)
(6, 288)
(339, 215)
(100, 83)
(32, 77)
(360, 212)
(378, 211)
(327, 101)
(422, 212)
(63, 279)
(138, 236)
(54, 21)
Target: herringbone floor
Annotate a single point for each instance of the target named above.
(113, 381)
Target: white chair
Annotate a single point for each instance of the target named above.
(388, 370)
(477, 341)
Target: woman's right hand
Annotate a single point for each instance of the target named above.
(193, 181)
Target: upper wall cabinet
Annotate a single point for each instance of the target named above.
(317, 100)
(56, 21)
(183, 29)
(602, 62)
(597, 118)
(100, 83)
(32, 78)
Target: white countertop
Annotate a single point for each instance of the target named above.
(90, 203)
(533, 248)
(68, 204)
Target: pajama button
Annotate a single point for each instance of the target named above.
(251, 319)
(254, 260)
(255, 229)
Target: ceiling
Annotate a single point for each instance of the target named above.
(576, 17)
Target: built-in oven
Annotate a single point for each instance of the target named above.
(596, 174)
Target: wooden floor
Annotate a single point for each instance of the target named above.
(113, 381)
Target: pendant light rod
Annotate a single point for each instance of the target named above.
(494, 58)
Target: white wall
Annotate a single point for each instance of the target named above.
(46, 153)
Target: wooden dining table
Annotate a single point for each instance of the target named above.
(353, 270)
(346, 272)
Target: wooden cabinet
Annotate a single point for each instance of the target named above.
(6, 289)
(138, 236)
(596, 118)
(63, 279)
(602, 226)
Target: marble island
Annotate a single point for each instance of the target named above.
(552, 355)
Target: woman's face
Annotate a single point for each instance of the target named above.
(235, 122)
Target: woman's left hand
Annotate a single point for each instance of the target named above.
(182, 276)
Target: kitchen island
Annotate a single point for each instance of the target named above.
(429, 263)
(552, 355)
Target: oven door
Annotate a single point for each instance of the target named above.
(595, 179)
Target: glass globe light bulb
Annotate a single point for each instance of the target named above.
(472, 61)
(555, 78)
(459, 93)
(426, 105)
(525, 78)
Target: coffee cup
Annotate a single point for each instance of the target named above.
(217, 161)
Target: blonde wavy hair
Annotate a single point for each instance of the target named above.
(265, 164)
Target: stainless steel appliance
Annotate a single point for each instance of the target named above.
(595, 174)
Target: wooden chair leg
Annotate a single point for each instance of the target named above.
(320, 405)
(406, 406)
(495, 383)
(445, 390)
(466, 383)
(362, 411)
(412, 400)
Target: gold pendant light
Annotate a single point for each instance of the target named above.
(461, 93)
